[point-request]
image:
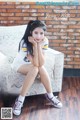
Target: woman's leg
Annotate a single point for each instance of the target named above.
(31, 72)
(45, 79)
(47, 84)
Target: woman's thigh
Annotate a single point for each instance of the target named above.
(24, 69)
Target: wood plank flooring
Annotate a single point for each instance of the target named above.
(38, 108)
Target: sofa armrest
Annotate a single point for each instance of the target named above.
(58, 69)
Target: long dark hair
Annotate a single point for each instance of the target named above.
(28, 32)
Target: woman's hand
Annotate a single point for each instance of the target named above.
(34, 58)
(31, 39)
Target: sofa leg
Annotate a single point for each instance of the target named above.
(56, 93)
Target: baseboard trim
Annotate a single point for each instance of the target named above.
(71, 72)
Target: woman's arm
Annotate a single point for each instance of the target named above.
(41, 56)
(34, 58)
(42, 47)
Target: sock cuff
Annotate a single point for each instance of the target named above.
(50, 95)
(21, 98)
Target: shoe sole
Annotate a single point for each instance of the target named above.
(16, 114)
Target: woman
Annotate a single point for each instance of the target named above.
(30, 61)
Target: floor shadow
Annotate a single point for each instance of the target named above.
(35, 100)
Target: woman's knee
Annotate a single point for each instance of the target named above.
(28, 68)
(35, 69)
(41, 68)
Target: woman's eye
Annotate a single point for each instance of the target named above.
(36, 33)
(41, 33)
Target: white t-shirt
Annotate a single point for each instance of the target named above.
(24, 51)
(21, 57)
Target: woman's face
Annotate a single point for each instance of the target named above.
(38, 34)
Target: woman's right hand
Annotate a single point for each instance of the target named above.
(31, 39)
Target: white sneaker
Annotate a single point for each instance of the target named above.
(17, 107)
(54, 101)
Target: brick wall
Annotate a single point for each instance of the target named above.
(63, 23)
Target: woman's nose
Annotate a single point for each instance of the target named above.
(38, 37)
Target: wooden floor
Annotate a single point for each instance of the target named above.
(37, 107)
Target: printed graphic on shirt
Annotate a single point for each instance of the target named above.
(24, 49)
(45, 47)
(26, 59)
(23, 46)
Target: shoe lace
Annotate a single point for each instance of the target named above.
(55, 100)
(18, 104)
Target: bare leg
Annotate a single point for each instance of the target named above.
(31, 72)
(45, 79)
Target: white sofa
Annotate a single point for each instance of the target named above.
(10, 81)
